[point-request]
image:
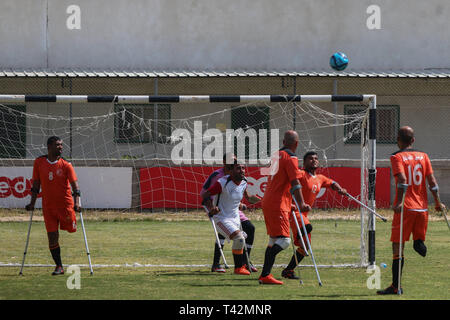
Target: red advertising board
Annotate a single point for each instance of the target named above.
(179, 187)
(97, 185)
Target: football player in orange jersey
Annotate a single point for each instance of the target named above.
(411, 168)
(276, 203)
(57, 178)
(311, 185)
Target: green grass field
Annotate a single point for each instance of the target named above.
(187, 239)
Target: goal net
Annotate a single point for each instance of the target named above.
(152, 154)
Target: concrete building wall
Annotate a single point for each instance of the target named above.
(223, 35)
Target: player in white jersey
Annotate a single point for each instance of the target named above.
(229, 191)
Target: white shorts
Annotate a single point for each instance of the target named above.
(226, 227)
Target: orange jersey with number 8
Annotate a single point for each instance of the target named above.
(416, 166)
(55, 178)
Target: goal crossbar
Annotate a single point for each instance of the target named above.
(142, 99)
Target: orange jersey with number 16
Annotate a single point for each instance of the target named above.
(416, 166)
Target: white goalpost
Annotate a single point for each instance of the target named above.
(154, 152)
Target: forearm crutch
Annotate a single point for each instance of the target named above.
(404, 187)
(85, 241)
(307, 239)
(444, 211)
(299, 233)
(217, 238)
(26, 244)
(362, 204)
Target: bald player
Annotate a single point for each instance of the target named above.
(412, 168)
(276, 203)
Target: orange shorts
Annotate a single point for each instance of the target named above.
(65, 218)
(415, 222)
(277, 222)
(297, 241)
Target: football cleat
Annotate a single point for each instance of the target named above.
(289, 274)
(241, 270)
(218, 268)
(252, 268)
(58, 271)
(269, 279)
(390, 290)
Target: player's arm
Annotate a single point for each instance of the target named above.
(336, 187)
(434, 188)
(252, 199)
(34, 193)
(294, 175)
(76, 195)
(202, 192)
(297, 194)
(401, 180)
(207, 202)
(208, 183)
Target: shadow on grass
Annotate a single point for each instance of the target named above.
(219, 280)
(169, 273)
(338, 296)
(221, 285)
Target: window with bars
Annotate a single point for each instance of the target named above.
(142, 123)
(12, 131)
(388, 122)
(251, 117)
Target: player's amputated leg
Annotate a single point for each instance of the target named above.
(420, 247)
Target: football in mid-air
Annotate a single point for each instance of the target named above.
(339, 61)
